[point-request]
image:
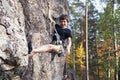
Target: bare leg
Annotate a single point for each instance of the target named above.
(45, 48)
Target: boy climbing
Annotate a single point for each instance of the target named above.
(60, 34)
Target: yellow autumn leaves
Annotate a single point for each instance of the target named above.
(79, 57)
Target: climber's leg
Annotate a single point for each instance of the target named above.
(46, 48)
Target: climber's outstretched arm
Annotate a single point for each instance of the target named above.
(49, 14)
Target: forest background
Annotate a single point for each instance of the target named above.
(103, 39)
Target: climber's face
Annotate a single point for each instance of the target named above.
(64, 23)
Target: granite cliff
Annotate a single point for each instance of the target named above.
(24, 25)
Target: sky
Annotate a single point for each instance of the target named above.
(99, 6)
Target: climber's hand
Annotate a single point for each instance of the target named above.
(48, 5)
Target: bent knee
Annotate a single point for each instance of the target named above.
(54, 48)
(50, 47)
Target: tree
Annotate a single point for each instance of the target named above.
(108, 31)
(80, 61)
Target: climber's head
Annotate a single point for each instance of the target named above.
(64, 19)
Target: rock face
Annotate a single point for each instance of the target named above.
(24, 25)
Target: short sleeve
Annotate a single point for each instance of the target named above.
(69, 34)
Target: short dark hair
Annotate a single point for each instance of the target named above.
(63, 17)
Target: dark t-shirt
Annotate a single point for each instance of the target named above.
(64, 33)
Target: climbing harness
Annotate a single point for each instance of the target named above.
(58, 42)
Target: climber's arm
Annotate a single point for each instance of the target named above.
(68, 45)
(49, 14)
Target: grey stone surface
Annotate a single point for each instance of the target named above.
(24, 22)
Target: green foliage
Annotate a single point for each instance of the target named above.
(101, 39)
(108, 24)
(77, 24)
